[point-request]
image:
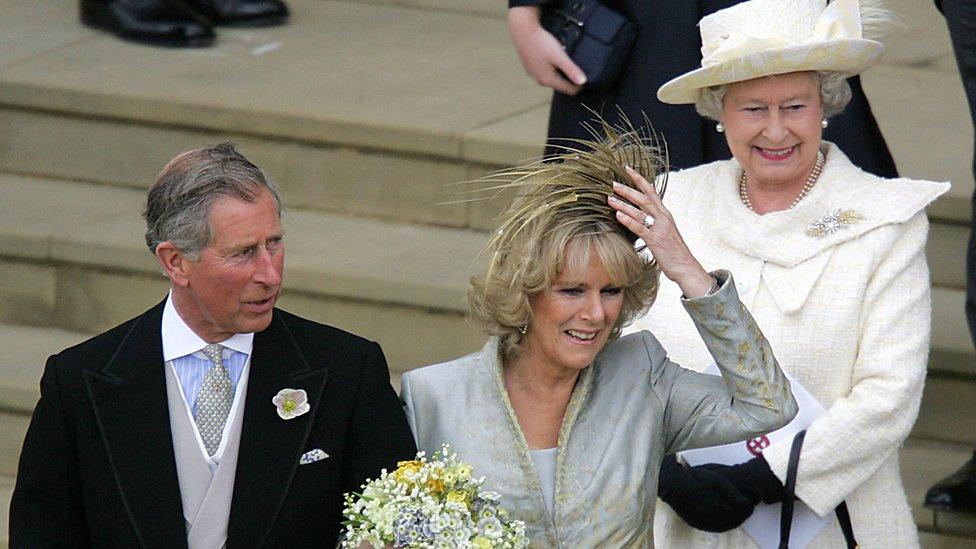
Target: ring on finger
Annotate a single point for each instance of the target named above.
(648, 221)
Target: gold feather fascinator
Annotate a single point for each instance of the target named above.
(559, 199)
(573, 186)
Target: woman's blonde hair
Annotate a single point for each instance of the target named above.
(561, 215)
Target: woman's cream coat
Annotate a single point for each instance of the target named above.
(848, 315)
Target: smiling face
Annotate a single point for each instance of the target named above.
(233, 286)
(572, 320)
(772, 125)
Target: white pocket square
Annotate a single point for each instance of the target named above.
(312, 456)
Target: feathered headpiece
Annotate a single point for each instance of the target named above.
(572, 187)
(559, 199)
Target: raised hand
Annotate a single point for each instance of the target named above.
(642, 211)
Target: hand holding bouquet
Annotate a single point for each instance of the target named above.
(434, 503)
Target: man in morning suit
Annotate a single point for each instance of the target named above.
(162, 432)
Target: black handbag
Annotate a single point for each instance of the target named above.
(596, 38)
(786, 518)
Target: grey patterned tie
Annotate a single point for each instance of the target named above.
(214, 400)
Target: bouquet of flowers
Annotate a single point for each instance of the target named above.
(435, 503)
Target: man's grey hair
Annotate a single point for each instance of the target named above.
(835, 94)
(178, 205)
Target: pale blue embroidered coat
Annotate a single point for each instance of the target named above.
(629, 408)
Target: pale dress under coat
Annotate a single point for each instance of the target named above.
(848, 315)
(629, 408)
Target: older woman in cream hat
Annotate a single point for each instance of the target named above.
(830, 260)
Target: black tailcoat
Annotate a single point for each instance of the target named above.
(98, 467)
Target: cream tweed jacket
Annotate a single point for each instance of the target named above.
(848, 314)
(629, 408)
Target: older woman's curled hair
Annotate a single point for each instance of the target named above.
(835, 94)
(562, 215)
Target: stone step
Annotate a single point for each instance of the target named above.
(923, 463)
(324, 176)
(363, 92)
(6, 490)
(487, 8)
(932, 540)
(952, 347)
(379, 130)
(72, 256)
(25, 351)
(946, 253)
(948, 409)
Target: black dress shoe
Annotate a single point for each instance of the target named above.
(156, 22)
(241, 13)
(956, 492)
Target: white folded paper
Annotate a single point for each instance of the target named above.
(763, 525)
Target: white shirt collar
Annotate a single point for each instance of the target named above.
(179, 340)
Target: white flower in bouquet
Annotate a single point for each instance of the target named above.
(436, 503)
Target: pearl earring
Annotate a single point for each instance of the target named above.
(824, 123)
(720, 127)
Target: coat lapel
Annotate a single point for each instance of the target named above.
(129, 400)
(270, 447)
(783, 238)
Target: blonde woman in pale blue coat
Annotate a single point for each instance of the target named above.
(566, 421)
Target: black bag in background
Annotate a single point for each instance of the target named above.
(596, 38)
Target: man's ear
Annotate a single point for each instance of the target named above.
(174, 263)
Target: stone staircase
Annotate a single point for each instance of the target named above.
(365, 112)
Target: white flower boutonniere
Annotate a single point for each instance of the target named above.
(291, 403)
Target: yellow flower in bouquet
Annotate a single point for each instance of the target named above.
(434, 485)
(406, 472)
(457, 496)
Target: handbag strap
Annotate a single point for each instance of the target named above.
(844, 518)
(786, 517)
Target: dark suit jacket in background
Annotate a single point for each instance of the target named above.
(98, 466)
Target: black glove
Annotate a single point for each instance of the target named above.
(717, 498)
(753, 478)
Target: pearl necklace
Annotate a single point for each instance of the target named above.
(811, 181)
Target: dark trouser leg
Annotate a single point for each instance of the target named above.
(961, 18)
(958, 492)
